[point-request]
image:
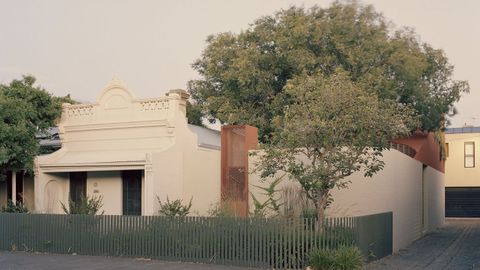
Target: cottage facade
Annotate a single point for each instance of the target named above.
(130, 152)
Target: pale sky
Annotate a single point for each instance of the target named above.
(76, 47)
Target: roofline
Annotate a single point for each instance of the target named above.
(471, 129)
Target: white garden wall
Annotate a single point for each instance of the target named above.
(397, 188)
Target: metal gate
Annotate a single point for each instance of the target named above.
(462, 201)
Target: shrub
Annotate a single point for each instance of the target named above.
(12, 207)
(174, 208)
(347, 258)
(221, 209)
(87, 206)
(322, 259)
(343, 258)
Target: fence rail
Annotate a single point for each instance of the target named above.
(277, 243)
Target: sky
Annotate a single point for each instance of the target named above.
(76, 47)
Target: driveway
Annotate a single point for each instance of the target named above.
(37, 261)
(455, 246)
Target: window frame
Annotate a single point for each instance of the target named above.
(465, 156)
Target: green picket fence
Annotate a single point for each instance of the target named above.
(267, 243)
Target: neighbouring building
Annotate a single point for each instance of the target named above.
(17, 186)
(130, 152)
(462, 172)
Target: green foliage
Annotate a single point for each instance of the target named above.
(271, 206)
(174, 208)
(194, 114)
(25, 110)
(220, 209)
(333, 130)
(244, 76)
(12, 207)
(343, 258)
(87, 206)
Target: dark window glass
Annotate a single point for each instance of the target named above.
(132, 192)
(19, 186)
(78, 186)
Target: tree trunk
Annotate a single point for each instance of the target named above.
(322, 205)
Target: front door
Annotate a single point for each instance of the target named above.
(132, 192)
(78, 187)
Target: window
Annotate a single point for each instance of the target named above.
(469, 154)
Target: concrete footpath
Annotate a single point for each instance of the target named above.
(455, 246)
(40, 261)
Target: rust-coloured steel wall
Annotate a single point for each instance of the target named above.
(426, 148)
(237, 140)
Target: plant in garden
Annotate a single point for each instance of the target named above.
(271, 206)
(334, 128)
(87, 206)
(222, 208)
(12, 207)
(343, 258)
(174, 208)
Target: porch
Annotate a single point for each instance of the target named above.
(17, 186)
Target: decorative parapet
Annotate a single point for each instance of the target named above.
(117, 104)
(78, 110)
(156, 104)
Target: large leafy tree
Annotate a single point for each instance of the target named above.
(25, 111)
(243, 76)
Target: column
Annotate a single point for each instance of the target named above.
(149, 196)
(14, 187)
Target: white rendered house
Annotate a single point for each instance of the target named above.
(129, 151)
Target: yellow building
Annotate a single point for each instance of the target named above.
(462, 172)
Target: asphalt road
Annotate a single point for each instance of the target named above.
(455, 246)
(39, 261)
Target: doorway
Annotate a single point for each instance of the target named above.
(132, 192)
(78, 187)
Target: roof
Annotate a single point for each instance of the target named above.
(49, 138)
(427, 149)
(462, 130)
(207, 138)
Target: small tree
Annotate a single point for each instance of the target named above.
(334, 129)
(272, 205)
(87, 206)
(25, 111)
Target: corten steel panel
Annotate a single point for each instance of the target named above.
(426, 148)
(236, 141)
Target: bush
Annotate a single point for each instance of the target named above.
(221, 209)
(87, 206)
(343, 258)
(12, 207)
(174, 208)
